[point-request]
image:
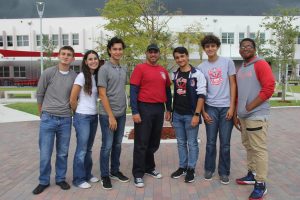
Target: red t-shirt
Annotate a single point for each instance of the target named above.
(152, 82)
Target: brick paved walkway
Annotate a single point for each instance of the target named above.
(19, 160)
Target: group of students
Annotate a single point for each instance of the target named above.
(209, 90)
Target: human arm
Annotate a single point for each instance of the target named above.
(74, 96)
(233, 91)
(199, 106)
(107, 108)
(134, 90)
(168, 104)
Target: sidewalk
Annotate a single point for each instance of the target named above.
(12, 115)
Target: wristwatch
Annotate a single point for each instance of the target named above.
(197, 114)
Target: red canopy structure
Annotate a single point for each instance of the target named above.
(15, 53)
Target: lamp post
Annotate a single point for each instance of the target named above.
(40, 9)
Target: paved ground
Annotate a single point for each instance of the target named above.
(19, 160)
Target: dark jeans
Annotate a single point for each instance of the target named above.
(223, 127)
(147, 137)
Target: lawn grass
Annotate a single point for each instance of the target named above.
(294, 88)
(276, 103)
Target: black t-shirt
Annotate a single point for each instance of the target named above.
(181, 103)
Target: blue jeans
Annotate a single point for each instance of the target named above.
(111, 144)
(86, 128)
(224, 127)
(187, 140)
(50, 127)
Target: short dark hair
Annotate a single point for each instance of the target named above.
(67, 48)
(113, 41)
(249, 40)
(181, 50)
(210, 39)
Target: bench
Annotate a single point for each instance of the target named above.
(10, 94)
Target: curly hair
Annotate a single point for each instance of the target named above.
(87, 88)
(210, 39)
(113, 41)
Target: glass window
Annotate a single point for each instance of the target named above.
(1, 41)
(252, 36)
(22, 40)
(38, 39)
(9, 40)
(4, 71)
(227, 38)
(241, 36)
(75, 39)
(19, 71)
(75, 68)
(65, 39)
(55, 40)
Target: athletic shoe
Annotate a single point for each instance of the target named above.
(190, 176)
(259, 191)
(224, 179)
(94, 179)
(84, 185)
(139, 182)
(63, 185)
(247, 180)
(106, 183)
(119, 176)
(208, 175)
(154, 174)
(39, 189)
(179, 172)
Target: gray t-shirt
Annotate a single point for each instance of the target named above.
(113, 78)
(217, 76)
(53, 92)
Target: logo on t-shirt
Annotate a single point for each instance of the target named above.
(181, 86)
(215, 76)
(163, 75)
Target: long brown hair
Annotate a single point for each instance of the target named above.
(87, 88)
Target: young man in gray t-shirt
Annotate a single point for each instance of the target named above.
(219, 107)
(111, 88)
(53, 96)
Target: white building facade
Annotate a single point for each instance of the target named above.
(82, 33)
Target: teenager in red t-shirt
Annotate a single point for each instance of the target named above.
(149, 92)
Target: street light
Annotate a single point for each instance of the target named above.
(40, 9)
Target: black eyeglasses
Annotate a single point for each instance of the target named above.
(246, 47)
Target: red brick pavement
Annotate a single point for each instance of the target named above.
(19, 160)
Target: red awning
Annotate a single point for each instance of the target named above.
(15, 53)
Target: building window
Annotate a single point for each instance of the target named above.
(252, 36)
(22, 40)
(241, 36)
(1, 41)
(65, 39)
(38, 39)
(9, 40)
(4, 71)
(55, 40)
(19, 71)
(75, 39)
(75, 68)
(227, 38)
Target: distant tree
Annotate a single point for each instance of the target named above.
(138, 23)
(48, 48)
(281, 22)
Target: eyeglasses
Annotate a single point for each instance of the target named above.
(246, 47)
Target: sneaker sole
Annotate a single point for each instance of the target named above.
(176, 177)
(191, 181)
(225, 183)
(139, 186)
(116, 178)
(105, 187)
(245, 182)
(158, 177)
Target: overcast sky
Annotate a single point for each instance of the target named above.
(79, 8)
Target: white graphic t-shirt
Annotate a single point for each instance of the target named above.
(217, 76)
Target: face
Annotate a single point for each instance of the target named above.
(181, 59)
(116, 51)
(152, 56)
(211, 49)
(92, 61)
(247, 50)
(66, 57)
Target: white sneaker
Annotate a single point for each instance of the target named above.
(84, 185)
(94, 179)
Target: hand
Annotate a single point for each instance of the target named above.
(112, 123)
(237, 123)
(229, 113)
(136, 118)
(195, 121)
(207, 118)
(168, 116)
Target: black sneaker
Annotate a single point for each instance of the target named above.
(247, 180)
(139, 182)
(154, 174)
(179, 172)
(63, 185)
(190, 176)
(39, 189)
(106, 184)
(119, 176)
(224, 179)
(208, 175)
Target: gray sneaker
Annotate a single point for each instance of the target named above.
(208, 175)
(224, 179)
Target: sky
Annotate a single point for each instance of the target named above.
(82, 8)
